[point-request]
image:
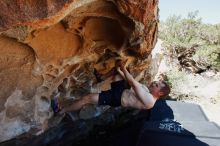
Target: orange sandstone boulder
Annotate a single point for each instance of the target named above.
(51, 47)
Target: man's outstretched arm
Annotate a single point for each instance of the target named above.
(140, 90)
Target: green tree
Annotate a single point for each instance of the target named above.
(184, 33)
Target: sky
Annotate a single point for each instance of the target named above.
(209, 10)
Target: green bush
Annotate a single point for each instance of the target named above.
(187, 32)
(210, 54)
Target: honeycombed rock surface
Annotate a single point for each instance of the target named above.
(51, 47)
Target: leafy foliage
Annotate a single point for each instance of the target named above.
(178, 32)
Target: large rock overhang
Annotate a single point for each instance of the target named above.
(51, 47)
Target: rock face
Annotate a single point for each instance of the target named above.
(52, 47)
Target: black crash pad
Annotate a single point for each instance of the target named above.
(174, 123)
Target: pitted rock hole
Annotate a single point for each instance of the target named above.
(104, 29)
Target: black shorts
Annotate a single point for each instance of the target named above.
(112, 97)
